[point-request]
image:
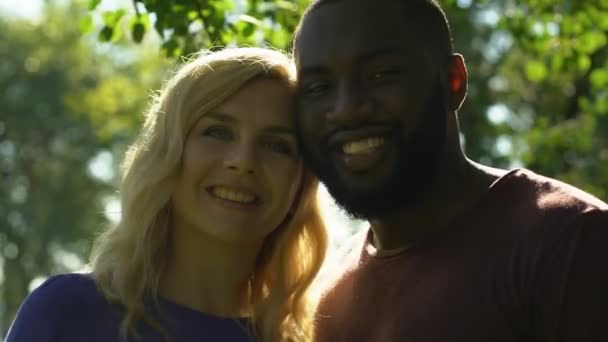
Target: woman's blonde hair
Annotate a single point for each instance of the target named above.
(129, 258)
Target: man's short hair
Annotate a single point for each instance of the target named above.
(427, 15)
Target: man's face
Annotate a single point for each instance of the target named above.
(371, 108)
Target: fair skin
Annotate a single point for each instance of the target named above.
(239, 176)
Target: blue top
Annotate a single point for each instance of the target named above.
(70, 308)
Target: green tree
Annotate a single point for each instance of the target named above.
(539, 74)
(185, 26)
(66, 105)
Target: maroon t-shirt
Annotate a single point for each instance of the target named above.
(528, 263)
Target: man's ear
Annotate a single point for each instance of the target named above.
(457, 81)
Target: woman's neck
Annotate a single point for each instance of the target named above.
(207, 274)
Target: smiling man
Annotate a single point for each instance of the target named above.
(456, 251)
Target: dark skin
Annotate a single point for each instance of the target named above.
(364, 70)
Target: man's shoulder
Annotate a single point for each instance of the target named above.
(547, 194)
(540, 211)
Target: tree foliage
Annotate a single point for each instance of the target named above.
(185, 26)
(63, 106)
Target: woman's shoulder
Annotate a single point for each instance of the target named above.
(61, 302)
(64, 291)
(61, 289)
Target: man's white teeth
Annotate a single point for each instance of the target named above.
(362, 146)
(232, 195)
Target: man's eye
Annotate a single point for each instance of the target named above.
(218, 132)
(313, 88)
(382, 74)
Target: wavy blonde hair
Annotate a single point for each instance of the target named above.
(129, 258)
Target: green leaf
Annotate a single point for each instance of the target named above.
(111, 18)
(93, 4)
(229, 34)
(536, 71)
(160, 28)
(253, 5)
(601, 105)
(570, 26)
(583, 63)
(250, 19)
(286, 5)
(86, 24)
(248, 30)
(278, 38)
(599, 78)
(171, 48)
(180, 29)
(223, 5)
(118, 33)
(193, 15)
(137, 32)
(106, 33)
(591, 41)
(247, 25)
(557, 62)
(139, 25)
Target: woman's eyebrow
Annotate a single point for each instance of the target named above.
(271, 129)
(220, 117)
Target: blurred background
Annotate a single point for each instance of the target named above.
(76, 75)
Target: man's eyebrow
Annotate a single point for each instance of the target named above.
(363, 58)
(312, 70)
(379, 53)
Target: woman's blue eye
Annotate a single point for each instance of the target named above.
(218, 132)
(281, 147)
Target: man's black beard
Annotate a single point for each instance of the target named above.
(411, 176)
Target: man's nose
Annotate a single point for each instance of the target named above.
(352, 104)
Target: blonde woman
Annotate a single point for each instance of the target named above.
(220, 236)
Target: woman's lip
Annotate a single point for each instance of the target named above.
(226, 203)
(236, 188)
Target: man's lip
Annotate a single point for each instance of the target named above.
(343, 136)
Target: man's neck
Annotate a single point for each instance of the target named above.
(454, 191)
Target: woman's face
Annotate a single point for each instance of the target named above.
(241, 167)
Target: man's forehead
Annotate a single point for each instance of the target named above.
(348, 58)
(352, 29)
(346, 14)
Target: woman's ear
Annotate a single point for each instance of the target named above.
(457, 81)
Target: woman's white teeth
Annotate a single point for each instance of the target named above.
(232, 195)
(362, 146)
